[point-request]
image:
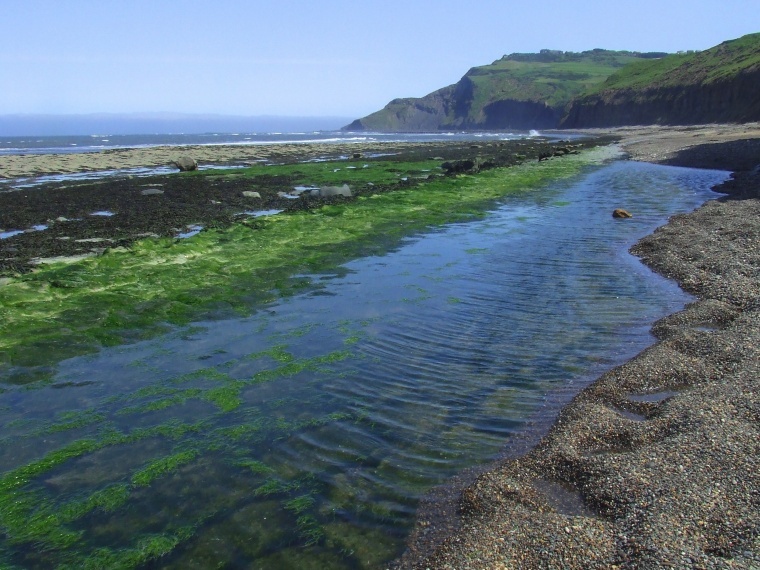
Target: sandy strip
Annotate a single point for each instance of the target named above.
(657, 463)
(23, 165)
(29, 165)
(647, 143)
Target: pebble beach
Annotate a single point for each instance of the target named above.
(655, 464)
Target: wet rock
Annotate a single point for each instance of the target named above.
(327, 191)
(185, 163)
(470, 165)
(620, 213)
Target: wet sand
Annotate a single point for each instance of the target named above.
(14, 166)
(30, 165)
(657, 463)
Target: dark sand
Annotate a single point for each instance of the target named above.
(657, 463)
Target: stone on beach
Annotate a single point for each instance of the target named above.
(185, 163)
(327, 191)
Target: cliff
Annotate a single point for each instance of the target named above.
(719, 85)
(519, 91)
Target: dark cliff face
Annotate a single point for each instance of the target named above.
(598, 88)
(520, 115)
(734, 100)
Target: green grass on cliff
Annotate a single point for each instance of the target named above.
(552, 78)
(554, 81)
(719, 63)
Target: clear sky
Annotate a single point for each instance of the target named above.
(310, 57)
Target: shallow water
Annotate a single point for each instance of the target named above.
(304, 435)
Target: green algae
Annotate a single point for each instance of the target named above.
(255, 466)
(300, 504)
(233, 428)
(122, 296)
(27, 516)
(161, 467)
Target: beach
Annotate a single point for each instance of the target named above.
(652, 465)
(29, 165)
(655, 464)
(54, 219)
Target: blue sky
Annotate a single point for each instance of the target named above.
(309, 57)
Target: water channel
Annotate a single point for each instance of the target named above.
(304, 435)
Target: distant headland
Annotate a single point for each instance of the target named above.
(597, 88)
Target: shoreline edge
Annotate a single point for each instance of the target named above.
(655, 463)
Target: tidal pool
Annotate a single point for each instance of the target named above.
(304, 435)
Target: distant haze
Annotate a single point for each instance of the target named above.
(163, 123)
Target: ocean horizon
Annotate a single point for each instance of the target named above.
(97, 142)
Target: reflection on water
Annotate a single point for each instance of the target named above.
(303, 436)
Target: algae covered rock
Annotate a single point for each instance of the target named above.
(327, 191)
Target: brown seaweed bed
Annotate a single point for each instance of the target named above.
(170, 204)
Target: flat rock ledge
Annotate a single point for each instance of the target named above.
(657, 463)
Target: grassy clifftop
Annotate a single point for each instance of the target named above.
(716, 64)
(720, 84)
(519, 91)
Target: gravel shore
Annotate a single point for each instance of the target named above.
(654, 465)
(657, 463)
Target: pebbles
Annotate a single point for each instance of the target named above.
(667, 480)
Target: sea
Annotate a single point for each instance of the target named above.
(100, 142)
(70, 144)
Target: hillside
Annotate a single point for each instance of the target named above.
(518, 91)
(718, 85)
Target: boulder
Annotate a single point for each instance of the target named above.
(185, 163)
(251, 194)
(327, 191)
(620, 213)
(468, 165)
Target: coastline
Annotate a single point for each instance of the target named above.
(71, 218)
(655, 464)
(33, 165)
(587, 495)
